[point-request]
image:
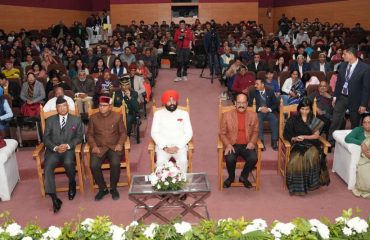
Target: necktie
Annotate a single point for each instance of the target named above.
(345, 85)
(63, 122)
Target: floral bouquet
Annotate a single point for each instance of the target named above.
(168, 177)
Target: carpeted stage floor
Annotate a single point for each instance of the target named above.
(270, 202)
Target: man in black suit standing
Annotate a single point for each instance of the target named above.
(257, 65)
(266, 107)
(351, 91)
(62, 133)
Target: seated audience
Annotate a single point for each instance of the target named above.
(293, 89)
(280, 65)
(32, 94)
(84, 89)
(11, 89)
(322, 65)
(266, 108)
(6, 114)
(79, 66)
(58, 92)
(106, 136)
(137, 82)
(273, 84)
(171, 131)
(118, 69)
(54, 82)
(243, 81)
(361, 136)
(38, 71)
(128, 97)
(257, 65)
(109, 58)
(10, 71)
(239, 134)
(99, 68)
(127, 56)
(63, 132)
(106, 86)
(300, 65)
(226, 58)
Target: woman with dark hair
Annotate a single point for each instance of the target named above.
(307, 167)
(99, 68)
(32, 94)
(293, 89)
(361, 136)
(38, 71)
(118, 69)
(79, 66)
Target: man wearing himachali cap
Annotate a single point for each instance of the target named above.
(171, 131)
(106, 136)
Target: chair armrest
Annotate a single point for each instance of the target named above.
(259, 144)
(324, 142)
(191, 145)
(38, 151)
(86, 148)
(78, 148)
(151, 145)
(127, 144)
(220, 145)
(286, 143)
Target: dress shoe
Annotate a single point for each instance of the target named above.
(227, 183)
(115, 193)
(72, 190)
(57, 204)
(245, 181)
(274, 145)
(99, 196)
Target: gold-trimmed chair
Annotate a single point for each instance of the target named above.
(151, 146)
(39, 152)
(284, 145)
(256, 173)
(125, 161)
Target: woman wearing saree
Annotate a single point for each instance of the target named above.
(293, 89)
(361, 136)
(307, 167)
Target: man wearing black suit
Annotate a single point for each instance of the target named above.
(351, 91)
(322, 65)
(12, 89)
(257, 65)
(62, 133)
(266, 107)
(300, 65)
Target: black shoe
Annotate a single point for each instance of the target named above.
(274, 145)
(227, 183)
(245, 181)
(72, 190)
(57, 204)
(99, 196)
(263, 148)
(115, 193)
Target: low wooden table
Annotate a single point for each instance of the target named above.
(196, 190)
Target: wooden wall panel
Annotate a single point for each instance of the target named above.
(265, 20)
(124, 13)
(349, 12)
(16, 17)
(233, 12)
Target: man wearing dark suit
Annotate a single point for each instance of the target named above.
(351, 91)
(62, 133)
(322, 65)
(300, 65)
(129, 97)
(239, 133)
(108, 58)
(266, 107)
(12, 89)
(257, 65)
(106, 136)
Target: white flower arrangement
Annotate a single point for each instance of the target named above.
(118, 233)
(168, 177)
(14, 229)
(256, 225)
(87, 223)
(322, 229)
(281, 229)
(150, 231)
(355, 226)
(182, 228)
(27, 238)
(52, 233)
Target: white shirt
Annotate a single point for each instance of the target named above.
(287, 85)
(353, 66)
(300, 69)
(61, 119)
(51, 104)
(322, 67)
(171, 129)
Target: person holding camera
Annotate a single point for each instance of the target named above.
(183, 38)
(211, 45)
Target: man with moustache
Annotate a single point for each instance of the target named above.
(239, 133)
(171, 131)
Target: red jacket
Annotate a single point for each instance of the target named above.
(187, 38)
(243, 82)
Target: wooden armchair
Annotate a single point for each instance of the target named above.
(151, 147)
(284, 145)
(240, 162)
(39, 152)
(125, 161)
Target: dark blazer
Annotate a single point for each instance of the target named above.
(294, 66)
(14, 92)
(315, 66)
(271, 100)
(262, 66)
(358, 86)
(111, 60)
(71, 134)
(132, 104)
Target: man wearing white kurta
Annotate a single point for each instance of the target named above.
(171, 131)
